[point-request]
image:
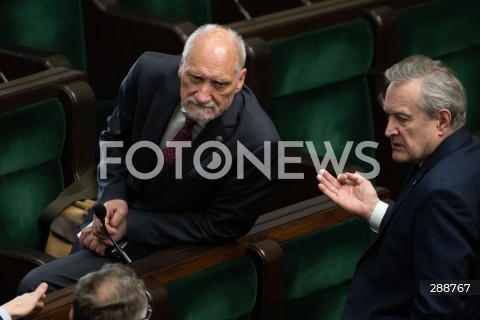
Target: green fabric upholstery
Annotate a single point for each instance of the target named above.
(55, 26)
(424, 29)
(31, 140)
(49, 25)
(224, 292)
(322, 305)
(197, 11)
(319, 267)
(319, 87)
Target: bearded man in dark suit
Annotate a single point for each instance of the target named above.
(150, 206)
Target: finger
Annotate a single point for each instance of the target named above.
(98, 247)
(98, 229)
(329, 181)
(41, 289)
(342, 178)
(106, 242)
(87, 242)
(110, 228)
(83, 236)
(354, 178)
(91, 243)
(329, 193)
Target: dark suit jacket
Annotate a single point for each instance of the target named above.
(165, 210)
(431, 233)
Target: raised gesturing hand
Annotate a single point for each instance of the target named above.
(350, 191)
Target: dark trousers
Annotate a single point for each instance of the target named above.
(63, 272)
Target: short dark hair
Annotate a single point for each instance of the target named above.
(113, 292)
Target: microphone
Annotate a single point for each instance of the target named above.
(242, 10)
(101, 213)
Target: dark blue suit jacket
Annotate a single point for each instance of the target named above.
(165, 210)
(431, 233)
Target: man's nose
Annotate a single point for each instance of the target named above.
(390, 129)
(203, 94)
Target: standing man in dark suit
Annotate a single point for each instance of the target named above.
(205, 195)
(428, 241)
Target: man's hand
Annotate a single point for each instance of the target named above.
(350, 191)
(94, 238)
(116, 219)
(92, 242)
(27, 302)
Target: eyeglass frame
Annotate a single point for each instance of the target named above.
(149, 311)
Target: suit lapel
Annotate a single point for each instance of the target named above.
(412, 181)
(161, 109)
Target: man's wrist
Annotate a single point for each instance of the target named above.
(377, 215)
(4, 314)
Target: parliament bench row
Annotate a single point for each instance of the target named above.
(104, 38)
(460, 51)
(44, 136)
(59, 95)
(296, 263)
(94, 35)
(326, 83)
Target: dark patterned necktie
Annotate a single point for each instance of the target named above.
(184, 134)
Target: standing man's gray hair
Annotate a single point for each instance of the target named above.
(441, 89)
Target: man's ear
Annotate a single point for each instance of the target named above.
(180, 66)
(444, 121)
(241, 79)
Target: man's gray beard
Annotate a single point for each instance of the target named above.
(196, 113)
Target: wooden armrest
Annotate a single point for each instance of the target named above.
(268, 257)
(18, 61)
(160, 303)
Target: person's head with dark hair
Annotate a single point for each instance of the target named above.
(114, 292)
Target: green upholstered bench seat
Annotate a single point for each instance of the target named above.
(319, 86)
(448, 30)
(227, 292)
(49, 25)
(319, 267)
(31, 142)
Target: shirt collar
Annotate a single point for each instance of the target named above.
(202, 123)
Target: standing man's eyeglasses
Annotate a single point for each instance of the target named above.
(148, 314)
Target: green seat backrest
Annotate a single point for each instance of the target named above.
(54, 26)
(49, 25)
(226, 292)
(319, 87)
(448, 30)
(31, 142)
(198, 11)
(319, 267)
